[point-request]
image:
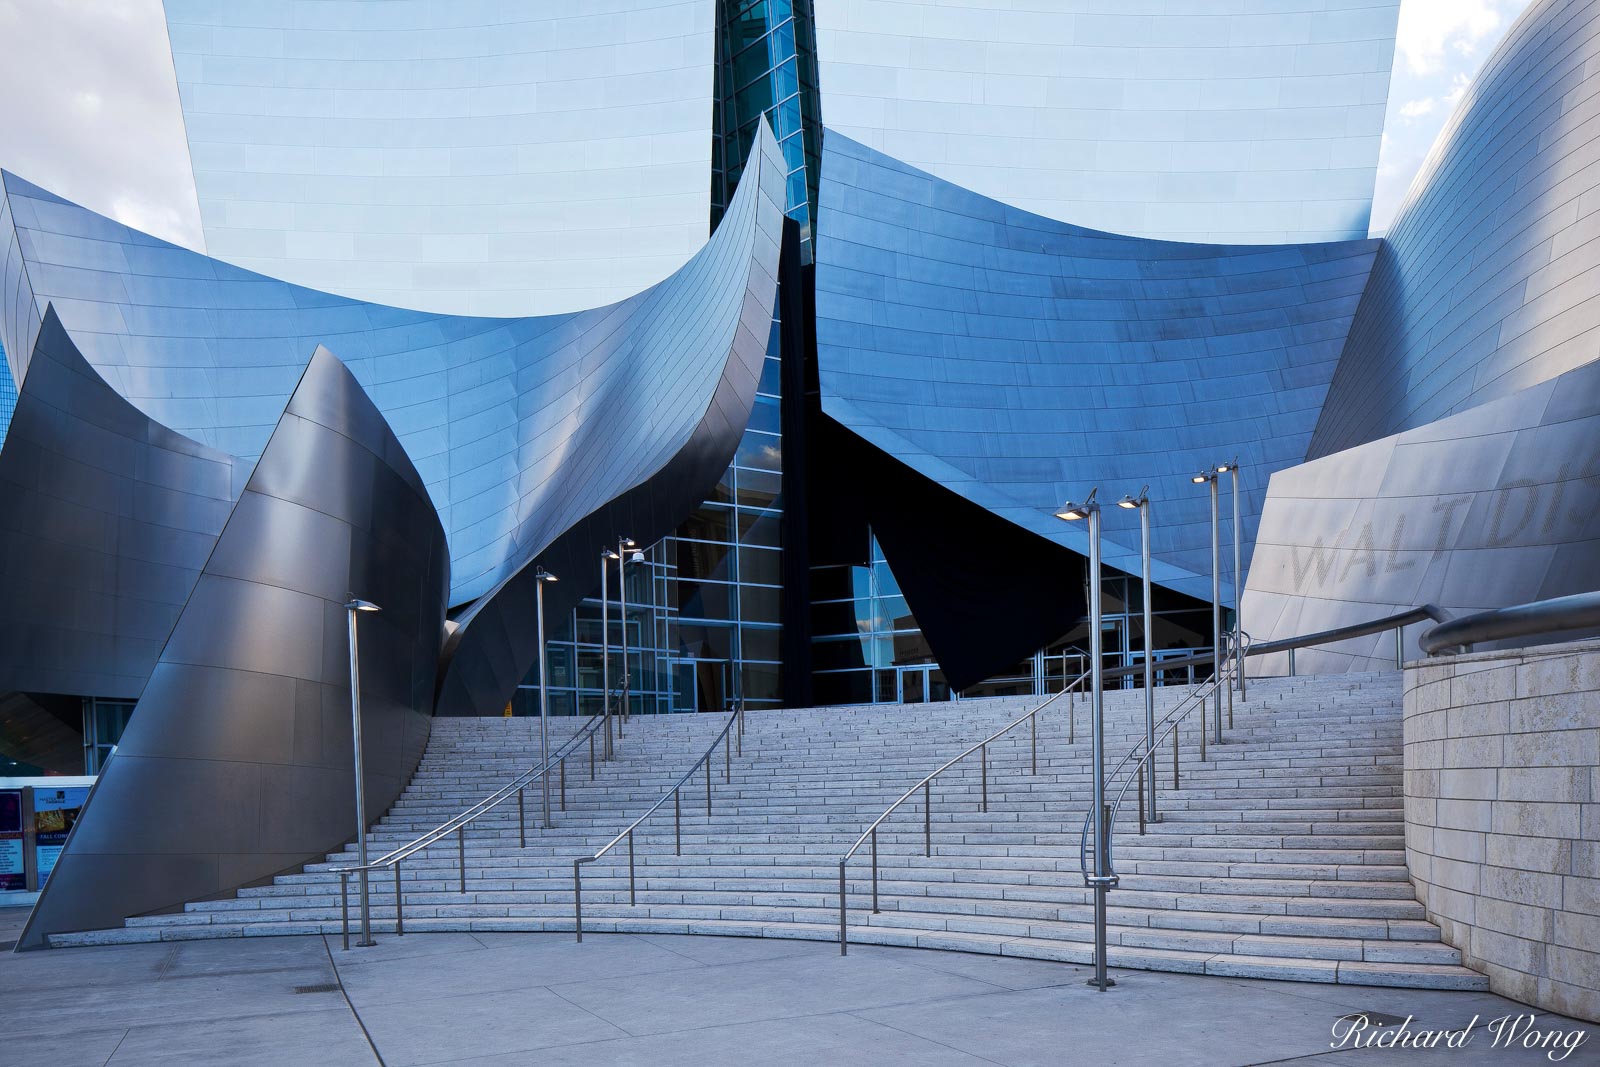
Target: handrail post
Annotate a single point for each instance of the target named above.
(874, 870)
(983, 775)
(1291, 663)
(591, 755)
(399, 905)
(1230, 695)
(577, 899)
(633, 891)
(708, 789)
(344, 907)
(522, 819)
(1033, 723)
(677, 822)
(1174, 755)
(843, 942)
(727, 757)
(563, 765)
(461, 853)
(927, 817)
(1399, 647)
(1141, 793)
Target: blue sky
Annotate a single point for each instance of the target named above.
(115, 141)
(1438, 49)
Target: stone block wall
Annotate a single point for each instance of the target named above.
(1502, 795)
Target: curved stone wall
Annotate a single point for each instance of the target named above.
(1019, 361)
(1486, 283)
(1502, 794)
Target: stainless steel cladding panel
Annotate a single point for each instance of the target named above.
(237, 761)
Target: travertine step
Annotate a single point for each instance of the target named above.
(1280, 856)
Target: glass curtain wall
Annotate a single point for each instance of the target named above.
(767, 66)
(868, 648)
(8, 396)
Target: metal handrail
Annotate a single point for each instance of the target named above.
(1236, 657)
(458, 824)
(1562, 614)
(728, 738)
(1199, 696)
(925, 784)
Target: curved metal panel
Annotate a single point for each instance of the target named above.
(1486, 282)
(1019, 361)
(1495, 506)
(107, 519)
(493, 158)
(237, 761)
(1194, 120)
(518, 427)
(497, 643)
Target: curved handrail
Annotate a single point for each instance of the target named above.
(1562, 614)
(925, 784)
(457, 824)
(1234, 659)
(727, 738)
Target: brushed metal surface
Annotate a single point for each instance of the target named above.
(237, 760)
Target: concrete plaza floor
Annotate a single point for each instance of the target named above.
(657, 999)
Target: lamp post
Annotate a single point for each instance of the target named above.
(1209, 478)
(351, 609)
(1102, 880)
(627, 552)
(606, 554)
(1142, 504)
(540, 578)
(1238, 605)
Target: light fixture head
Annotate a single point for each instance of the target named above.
(636, 557)
(608, 553)
(1203, 477)
(1223, 468)
(542, 575)
(1132, 502)
(625, 542)
(361, 605)
(1072, 512)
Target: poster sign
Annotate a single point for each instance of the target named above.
(54, 812)
(13, 875)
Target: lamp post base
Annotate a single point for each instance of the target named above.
(1101, 984)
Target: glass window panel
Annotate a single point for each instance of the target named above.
(698, 560)
(760, 489)
(708, 640)
(911, 647)
(847, 687)
(762, 681)
(896, 613)
(760, 528)
(760, 603)
(760, 566)
(771, 374)
(760, 450)
(765, 415)
(835, 653)
(759, 642)
(700, 600)
(708, 523)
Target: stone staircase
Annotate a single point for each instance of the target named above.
(1280, 856)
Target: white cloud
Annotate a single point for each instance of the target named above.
(1429, 27)
(1439, 46)
(89, 110)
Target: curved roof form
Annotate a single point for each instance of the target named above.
(1193, 120)
(486, 158)
(1019, 361)
(519, 427)
(1487, 281)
